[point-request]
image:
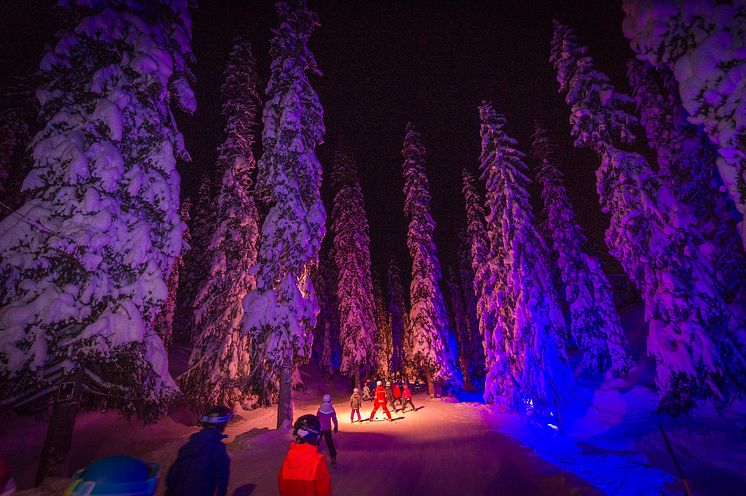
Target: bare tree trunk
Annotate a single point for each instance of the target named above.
(430, 386)
(285, 402)
(357, 378)
(55, 455)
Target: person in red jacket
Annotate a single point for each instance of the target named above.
(396, 393)
(407, 395)
(304, 471)
(379, 400)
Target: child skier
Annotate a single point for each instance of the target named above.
(202, 466)
(389, 395)
(304, 469)
(379, 401)
(327, 415)
(366, 392)
(396, 392)
(355, 402)
(407, 395)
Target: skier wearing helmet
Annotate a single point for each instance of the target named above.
(304, 471)
(327, 415)
(115, 476)
(202, 466)
(355, 402)
(379, 401)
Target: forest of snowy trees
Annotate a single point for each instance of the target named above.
(106, 265)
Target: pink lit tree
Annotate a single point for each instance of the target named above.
(384, 341)
(657, 240)
(428, 317)
(594, 322)
(219, 365)
(280, 313)
(687, 163)
(526, 362)
(357, 323)
(86, 258)
(397, 308)
(702, 43)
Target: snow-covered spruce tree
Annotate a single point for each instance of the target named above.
(281, 312)
(397, 308)
(18, 110)
(427, 314)
(494, 311)
(687, 163)
(194, 272)
(219, 365)
(656, 239)
(326, 332)
(703, 42)
(529, 313)
(357, 324)
(466, 278)
(163, 324)
(85, 259)
(462, 331)
(594, 322)
(384, 342)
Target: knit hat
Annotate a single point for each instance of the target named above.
(356, 390)
(379, 383)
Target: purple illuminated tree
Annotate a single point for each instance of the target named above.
(280, 313)
(397, 308)
(466, 278)
(699, 40)
(687, 163)
(163, 324)
(462, 330)
(220, 361)
(427, 315)
(194, 272)
(357, 324)
(656, 239)
(529, 316)
(326, 341)
(384, 338)
(487, 253)
(594, 322)
(85, 259)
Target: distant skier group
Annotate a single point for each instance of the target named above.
(382, 397)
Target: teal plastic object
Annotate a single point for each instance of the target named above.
(115, 476)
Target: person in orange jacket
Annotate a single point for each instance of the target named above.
(380, 400)
(304, 471)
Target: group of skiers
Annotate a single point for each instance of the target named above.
(382, 397)
(202, 466)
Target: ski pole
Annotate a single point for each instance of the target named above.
(675, 461)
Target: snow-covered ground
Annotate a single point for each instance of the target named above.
(610, 444)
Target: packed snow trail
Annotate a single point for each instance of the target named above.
(442, 449)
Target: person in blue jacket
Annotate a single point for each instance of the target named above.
(202, 467)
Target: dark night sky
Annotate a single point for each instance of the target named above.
(387, 62)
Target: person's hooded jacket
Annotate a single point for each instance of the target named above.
(327, 415)
(304, 472)
(356, 401)
(202, 467)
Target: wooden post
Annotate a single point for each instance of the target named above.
(285, 401)
(55, 456)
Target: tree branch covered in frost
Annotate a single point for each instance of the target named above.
(656, 238)
(397, 308)
(326, 333)
(530, 329)
(104, 182)
(687, 164)
(220, 361)
(281, 312)
(427, 315)
(357, 324)
(704, 43)
(594, 322)
(18, 111)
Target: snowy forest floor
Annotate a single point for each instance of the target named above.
(610, 444)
